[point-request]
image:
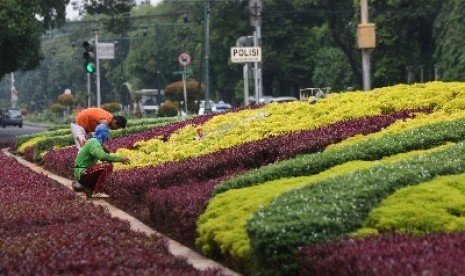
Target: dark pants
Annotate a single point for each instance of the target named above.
(93, 177)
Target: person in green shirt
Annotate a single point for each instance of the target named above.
(88, 171)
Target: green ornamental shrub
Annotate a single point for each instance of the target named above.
(57, 108)
(111, 107)
(168, 109)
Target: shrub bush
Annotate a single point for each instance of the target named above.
(168, 109)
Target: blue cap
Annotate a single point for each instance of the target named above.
(101, 133)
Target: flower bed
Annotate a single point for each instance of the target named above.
(391, 254)
(262, 150)
(46, 229)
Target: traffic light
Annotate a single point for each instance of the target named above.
(89, 57)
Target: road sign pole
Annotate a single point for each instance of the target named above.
(257, 90)
(184, 76)
(184, 59)
(246, 84)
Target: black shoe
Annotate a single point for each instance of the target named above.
(78, 187)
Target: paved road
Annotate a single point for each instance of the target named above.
(10, 132)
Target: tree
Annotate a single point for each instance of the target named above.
(175, 92)
(404, 39)
(113, 9)
(22, 26)
(332, 70)
(66, 99)
(449, 39)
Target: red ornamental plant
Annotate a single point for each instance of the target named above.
(47, 230)
(174, 210)
(389, 254)
(60, 161)
(29, 153)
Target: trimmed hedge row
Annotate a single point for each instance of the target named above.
(222, 227)
(423, 137)
(332, 208)
(63, 136)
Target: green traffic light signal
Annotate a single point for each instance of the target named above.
(89, 57)
(90, 67)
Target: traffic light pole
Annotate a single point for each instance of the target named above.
(88, 90)
(97, 66)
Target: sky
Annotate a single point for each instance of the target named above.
(73, 15)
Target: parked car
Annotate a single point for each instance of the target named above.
(283, 99)
(11, 117)
(202, 107)
(222, 106)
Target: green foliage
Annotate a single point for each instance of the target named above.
(432, 207)
(449, 53)
(332, 70)
(168, 109)
(113, 9)
(333, 208)
(175, 92)
(49, 143)
(221, 227)
(66, 99)
(419, 138)
(21, 139)
(20, 39)
(57, 108)
(111, 107)
(404, 40)
(295, 33)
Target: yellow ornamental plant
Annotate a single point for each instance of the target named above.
(421, 119)
(232, 129)
(30, 143)
(432, 207)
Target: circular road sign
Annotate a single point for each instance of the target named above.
(184, 59)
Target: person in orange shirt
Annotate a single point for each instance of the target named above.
(86, 121)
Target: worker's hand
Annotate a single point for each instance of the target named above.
(82, 141)
(125, 160)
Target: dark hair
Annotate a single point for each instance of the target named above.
(120, 121)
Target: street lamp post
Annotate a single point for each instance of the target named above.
(207, 79)
(158, 63)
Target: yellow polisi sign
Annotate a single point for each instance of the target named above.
(246, 54)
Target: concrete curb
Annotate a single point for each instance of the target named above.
(195, 259)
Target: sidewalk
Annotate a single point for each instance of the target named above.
(177, 249)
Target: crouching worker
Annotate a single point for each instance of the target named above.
(88, 171)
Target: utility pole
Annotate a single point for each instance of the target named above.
(366, 42)
(14, 93)
(159, 98)
(255, 7)
(208, 108)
